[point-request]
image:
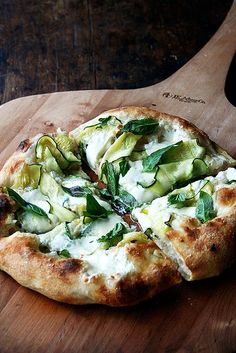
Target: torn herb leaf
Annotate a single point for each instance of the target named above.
(111, 178)
(126, 201)
(64, 253)
(27, 206)
(152, 161)
(178, 199)
(94, 210)
(77, 191)
(141, 127)
(124, 166)
(113, 237)
(205, 207)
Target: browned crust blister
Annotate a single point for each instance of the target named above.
(209, 249)
(67, 280)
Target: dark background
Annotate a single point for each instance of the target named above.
(58, 45)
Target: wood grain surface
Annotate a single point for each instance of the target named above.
(49, 46)
(193, 317)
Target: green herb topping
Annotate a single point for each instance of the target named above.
(64, 253)
(113, 237)
(205, 208)
(94, 210)
(141, 127)
(124, 166)
(111, 177)
(27, 206)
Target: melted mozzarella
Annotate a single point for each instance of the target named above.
(98, 144)
(131, 179)
(159, 211)
(36, 198)
(89, 249)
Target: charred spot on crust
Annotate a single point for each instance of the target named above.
(213, 248)
(16, 165)
(69, 266)
(128, 293)
(24, 145)
(137, 250)
(191, 233)
(44, 249)
(226, 196)
(172, 234)
(6, 206)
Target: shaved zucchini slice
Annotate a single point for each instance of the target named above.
(29, 176)
(50, 163)
(62, 213)
(48, 142)
(49, 187)
(34, 223)
(66, 145)
(108, 123)
(122, 147)
(168, 175)
(184, 150)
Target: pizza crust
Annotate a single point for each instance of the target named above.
(174, 123)
(13, 165)
(206, 250)
(66, 280)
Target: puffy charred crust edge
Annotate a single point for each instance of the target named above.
(226, 196)
(12, 165)
(25, 248)
(16, 160)
(135, 112)
(65, 280)
(7, 206)
(212, 246)
(24, 145)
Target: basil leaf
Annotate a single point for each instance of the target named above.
(27, 206)
(152, 161)
(64, 253)
(87, 230)
(205, 208)
(182, 198)
(94, 210)
(77, 191)
(111, 177)
(126, 201)
(113, 237)
(231, 181)
(104, 193)
(124, 166)
(168, 223)
(141, 127)
(178, 199)
(103, 122)
(148, 232)
(68, 232)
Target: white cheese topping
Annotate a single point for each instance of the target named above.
(159, 211)
(98, 143)
(131, 179)
(89, 249)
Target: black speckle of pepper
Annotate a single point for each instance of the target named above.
(213, 248)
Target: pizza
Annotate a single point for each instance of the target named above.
(117, 210)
